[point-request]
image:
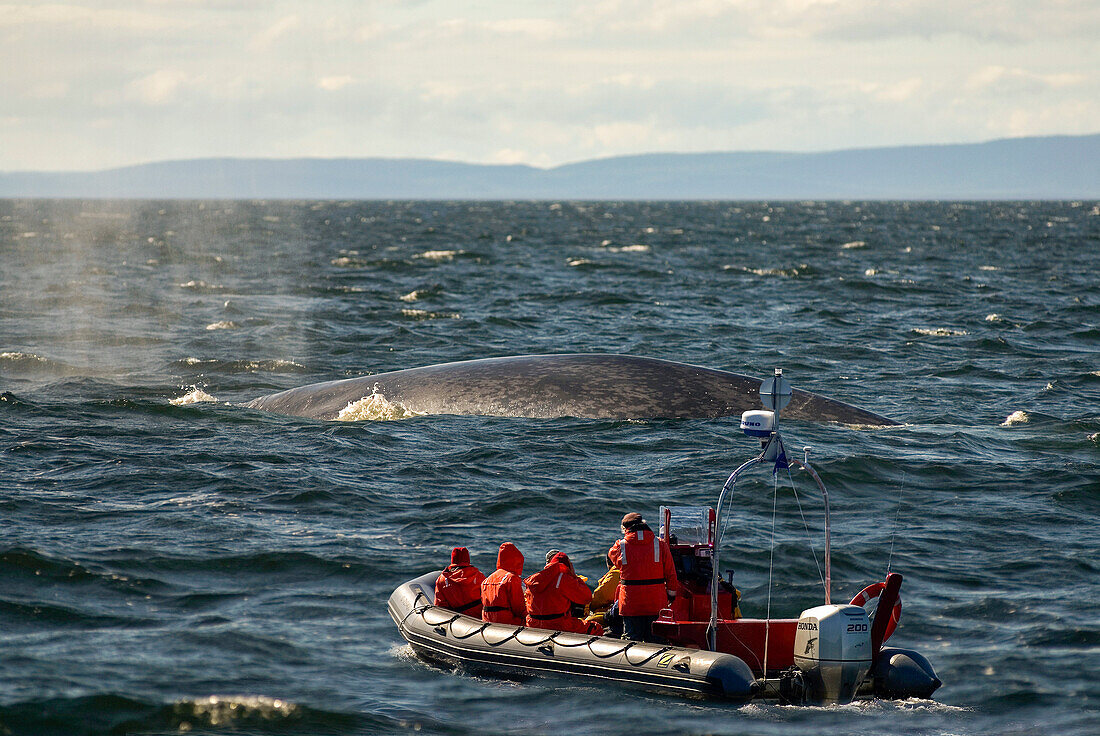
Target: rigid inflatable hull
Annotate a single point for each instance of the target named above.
(453, 640)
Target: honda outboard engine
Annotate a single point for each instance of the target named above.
(832, 647)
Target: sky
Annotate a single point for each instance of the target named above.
(88, 85)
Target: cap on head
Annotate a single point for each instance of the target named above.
(632, 520)
(550, 555)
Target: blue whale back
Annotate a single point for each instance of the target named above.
(595, 386)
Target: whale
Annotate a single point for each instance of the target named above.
(586, 385)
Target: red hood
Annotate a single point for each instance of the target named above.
(460, 556)
(510, 558)
(548, 576)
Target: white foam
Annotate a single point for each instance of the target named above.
(223, 325)
(939, 332)
(375, 408)
(854, 245)
(425, 314)
(194, 396)
(1016, 417)
(994, 318)
(439, 255)
(15, 356)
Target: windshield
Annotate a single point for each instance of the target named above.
(688, 524)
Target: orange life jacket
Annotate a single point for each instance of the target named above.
(550, 595)
(459, 586)
(502, 592)
(646, 572)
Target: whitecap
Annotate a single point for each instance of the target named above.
(636, 248)
(855, 244)
(1016, 417)
(200, 285)
(994, 318)
(939, 332)
(786, 272)
(17, 357)
(223, 325)
(194, 396)
(425, 314)
(439, 255)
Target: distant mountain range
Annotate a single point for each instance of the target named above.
(1058, 167)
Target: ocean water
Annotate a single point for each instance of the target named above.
(173, 562)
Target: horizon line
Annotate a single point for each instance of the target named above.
(611, 157)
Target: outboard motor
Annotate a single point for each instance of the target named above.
(832, 648)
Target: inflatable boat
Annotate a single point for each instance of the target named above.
(832, 653)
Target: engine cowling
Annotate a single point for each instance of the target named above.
(832, 648)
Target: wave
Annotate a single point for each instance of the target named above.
(194, 396)
(802, 269)
(440, 255)
(418, 294)
(214, 365)
(938, 332)
(425, 314)
(19, 363)
(122, 714)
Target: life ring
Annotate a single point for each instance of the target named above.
(872, 591)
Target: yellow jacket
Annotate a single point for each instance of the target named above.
(604, 595)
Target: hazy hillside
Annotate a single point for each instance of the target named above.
(1062, 167)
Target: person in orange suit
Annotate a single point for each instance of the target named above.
(458, 587)
(551, 594)
(647, 576)
(502, 599)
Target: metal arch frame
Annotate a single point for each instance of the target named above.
(773, 449)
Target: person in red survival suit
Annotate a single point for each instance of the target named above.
(502, 592)
(647, 579)
(551, 593)
(458, 587)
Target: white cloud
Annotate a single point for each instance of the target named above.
(158, 88)
(268, 36)
(1016, 79)
(334, 84)
(120, 80)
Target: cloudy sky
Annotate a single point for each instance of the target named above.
(91, 84)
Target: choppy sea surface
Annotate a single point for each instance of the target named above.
(173, 562)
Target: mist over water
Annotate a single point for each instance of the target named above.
(173, 562)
